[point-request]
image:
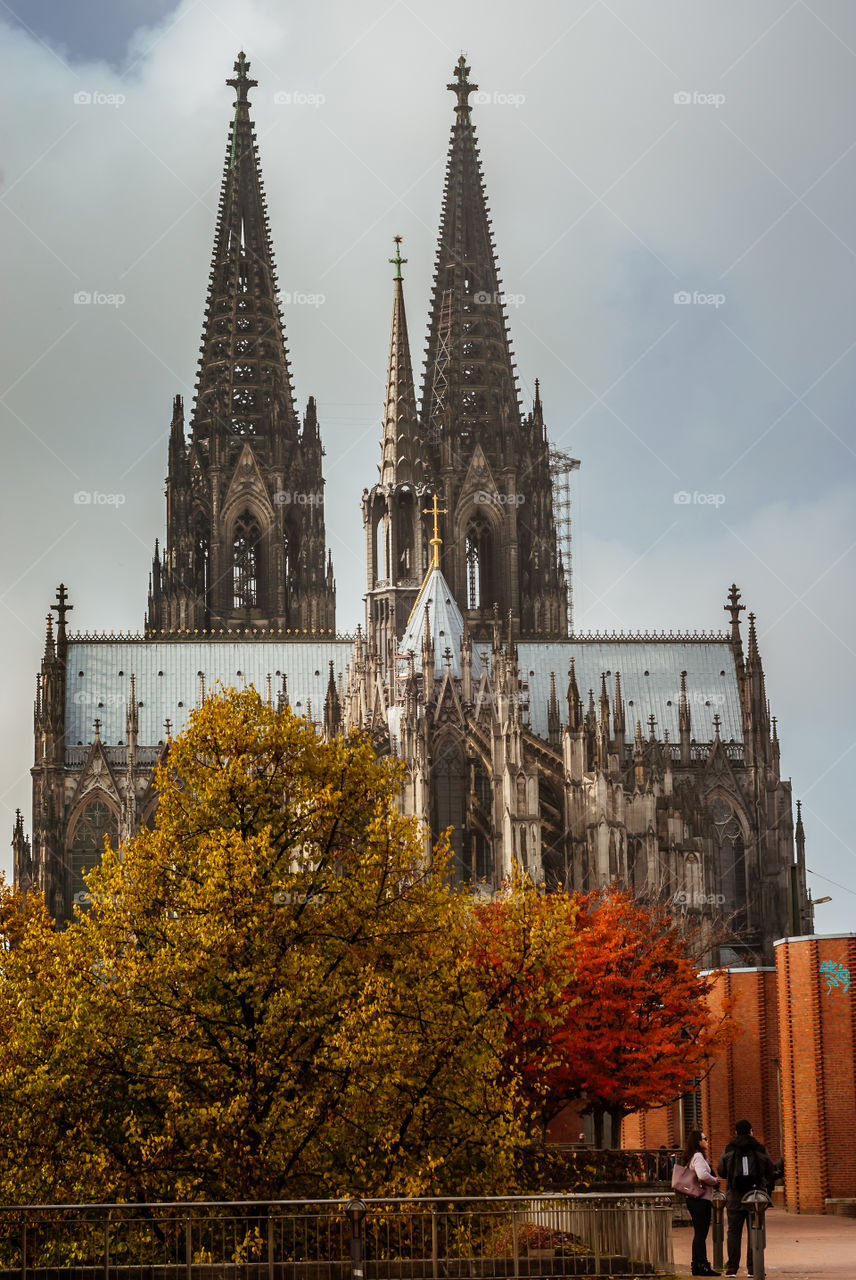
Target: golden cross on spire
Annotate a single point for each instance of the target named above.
(436, 541)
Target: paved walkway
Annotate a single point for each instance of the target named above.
(800, 1246)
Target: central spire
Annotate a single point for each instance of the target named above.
(244, 390)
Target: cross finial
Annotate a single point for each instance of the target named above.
(62, 606)
(716, 726)
(97, 724)
(241, 82)
(167, 724)
(397, 261)
(463, 88)
(436, 541)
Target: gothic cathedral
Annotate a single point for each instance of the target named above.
(582, 759)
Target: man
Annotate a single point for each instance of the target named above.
(745, 1164)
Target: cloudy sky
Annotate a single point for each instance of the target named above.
(636, 156)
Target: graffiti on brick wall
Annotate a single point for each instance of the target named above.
(836, 975)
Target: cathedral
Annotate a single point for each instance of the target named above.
(651, 760)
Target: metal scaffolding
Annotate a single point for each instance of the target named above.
(561, 466)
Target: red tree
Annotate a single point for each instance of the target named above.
(626, 1024)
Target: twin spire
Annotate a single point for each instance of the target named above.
(244, 388)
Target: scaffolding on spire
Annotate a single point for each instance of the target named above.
(561, 467)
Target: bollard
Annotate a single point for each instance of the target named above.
(356, 1210)
(718, 1211)
(757, 1203)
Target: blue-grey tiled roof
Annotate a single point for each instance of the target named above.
(166, 676)
(650, 680)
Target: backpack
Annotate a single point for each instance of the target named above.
(745, 1171)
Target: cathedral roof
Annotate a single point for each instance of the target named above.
(169, 678)
(650, 681)
(436, 603)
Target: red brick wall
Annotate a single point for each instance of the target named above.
(660, 1126)
(743, 1082)
(818, 1051)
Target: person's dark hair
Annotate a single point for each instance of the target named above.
(692, 1145)
(743, 1128)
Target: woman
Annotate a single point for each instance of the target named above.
(695, 1158)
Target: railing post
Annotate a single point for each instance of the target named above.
(515, 1243)
(24, 1248)
(718, 1207)
(356, 1210)
(188, 1246)
(107, 1246)
(270, 1241)
(435, 1244)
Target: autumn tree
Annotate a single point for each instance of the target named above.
(270, 994)
(631, 1027)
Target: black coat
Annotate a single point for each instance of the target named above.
(740, 1146)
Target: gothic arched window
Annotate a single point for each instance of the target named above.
(87, 844)
(246, 557)
(479, 553)
(449, 783)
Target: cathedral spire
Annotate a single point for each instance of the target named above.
(244, 388)
(469, 376)
(402, 459)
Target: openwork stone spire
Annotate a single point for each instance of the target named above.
(469, 386)
(244, 387)
(489, 464)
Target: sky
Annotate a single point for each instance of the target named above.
(672, 190)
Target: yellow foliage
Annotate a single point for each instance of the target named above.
(270, 995)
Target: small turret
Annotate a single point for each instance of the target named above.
(685, 723)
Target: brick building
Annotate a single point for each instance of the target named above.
(792, 1072)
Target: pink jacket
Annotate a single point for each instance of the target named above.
(705, 1175)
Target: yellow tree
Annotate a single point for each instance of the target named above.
(270, 994)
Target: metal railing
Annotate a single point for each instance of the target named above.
(424, 1239)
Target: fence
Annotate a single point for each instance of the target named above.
(506, 1239)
